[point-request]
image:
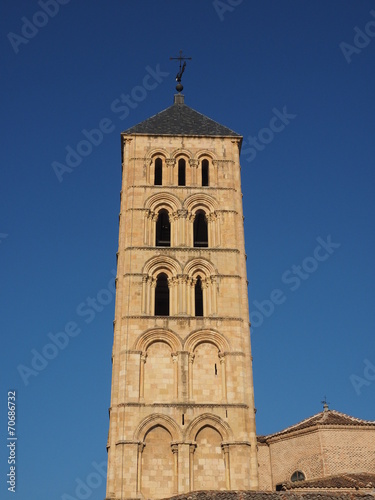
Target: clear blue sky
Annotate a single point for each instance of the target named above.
(310, 179)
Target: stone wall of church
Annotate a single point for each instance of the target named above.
(317, 453)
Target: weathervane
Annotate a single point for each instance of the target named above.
(325, 403)
(181, 58)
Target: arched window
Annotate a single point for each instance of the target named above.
(200, 230)
(297, 476)
(181, 172)
(198, 297)
(163, 230)
(158, 174)
(162, 296)
(205, 178)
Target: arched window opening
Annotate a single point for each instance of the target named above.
(198, 297)
(158, 177)
(200, 230)
(205, 178)
(162, 296)
(297, 476)
(181, 172)
(163, 230)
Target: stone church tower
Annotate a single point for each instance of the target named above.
(182, 412)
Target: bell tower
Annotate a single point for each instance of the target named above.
(182, 402)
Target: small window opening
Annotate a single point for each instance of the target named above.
(162, 296)
(158, 178)
(181, 172)
(183, 419)
(200, 230)
(198, 297)
(205, 173)
(163, 230)
(279, 487)
(215, 369)
(226, 413)
(297, 476)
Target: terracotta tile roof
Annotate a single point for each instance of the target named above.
(180, 119)
(275, 495)
(357, 481)
(324, 418)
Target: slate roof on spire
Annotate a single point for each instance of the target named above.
(327, 417)
(180, 119)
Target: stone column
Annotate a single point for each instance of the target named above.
(225, 448)
(174, 447)
(175, 375)
(139, 467)
(191, 361)
(194, 171)
(223, 377)
(144, 293)
(142, 363)
(152, 296)
(170, 171)
(191, 465)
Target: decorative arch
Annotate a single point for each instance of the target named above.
(205, 270)
(162, 432)
(199, 265)
(196, 204)
(157, 152)
(205, 153)
(208, 335)
(181, 152)
(163, 200)
(151, 270)
(154, 420)
(158, 335)
(209, 433)
(162, 263)
(150, 164)
(144, 344)
(207, 168)
(154, 205)
(201, 201)
(210, 420)
(207, 350)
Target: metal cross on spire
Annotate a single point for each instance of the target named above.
(325, 404)
(180, 58)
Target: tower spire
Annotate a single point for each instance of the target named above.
(180, 58)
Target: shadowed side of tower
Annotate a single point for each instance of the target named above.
(182, 406)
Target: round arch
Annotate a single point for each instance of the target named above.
(212, 336)
(156, 420)
(196, 266)
(158, 335)
(200, 201)
(163, 200)
(157, 152)
(162, 263)
(209, 420)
